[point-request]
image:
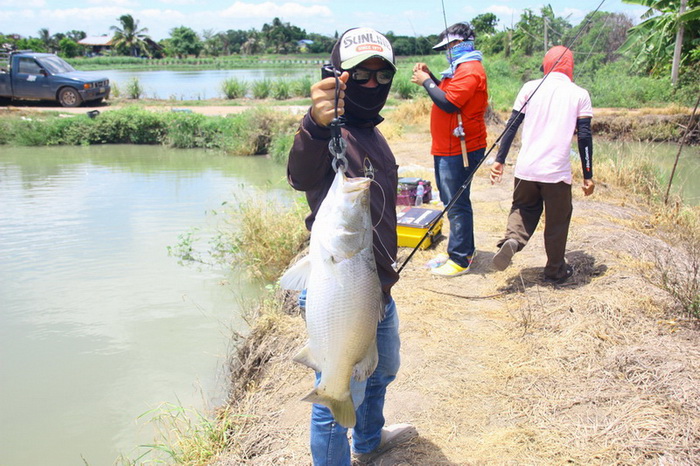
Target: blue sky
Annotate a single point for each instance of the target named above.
(405, 17)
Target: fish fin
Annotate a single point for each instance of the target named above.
(364, 368)
(296, 276)
(343, 410)
(304, 357)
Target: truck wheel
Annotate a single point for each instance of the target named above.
(69, 97)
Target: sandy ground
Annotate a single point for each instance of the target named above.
(504, 368)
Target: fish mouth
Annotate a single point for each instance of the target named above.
(356, 184)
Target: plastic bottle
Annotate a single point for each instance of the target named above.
(420, 190)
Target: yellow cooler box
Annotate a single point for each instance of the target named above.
(413, 223)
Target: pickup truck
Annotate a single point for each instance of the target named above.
(45, 76)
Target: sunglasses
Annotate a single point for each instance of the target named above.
(363, 75)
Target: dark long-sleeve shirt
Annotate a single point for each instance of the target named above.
(309, 169)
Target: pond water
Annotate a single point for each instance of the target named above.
(686, 180)
(98, 324)
(198, 84)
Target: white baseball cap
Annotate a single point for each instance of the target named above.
(359, 44)
(448, 38)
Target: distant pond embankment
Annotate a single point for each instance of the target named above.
(638, 125)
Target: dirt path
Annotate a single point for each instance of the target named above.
(160, 106)
(503, 368)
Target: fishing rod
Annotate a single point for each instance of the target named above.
(468, 181)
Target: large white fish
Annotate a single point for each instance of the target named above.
(344, 298)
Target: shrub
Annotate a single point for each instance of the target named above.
(247, 133)
(234, 88)
(262, 89)
(28, 133)
(404, 88)
(131, 125)
(302, 87)
(115, 91)
(258, 227)
(134, 90)
(281, 90)
(280, 147)
(185, 130)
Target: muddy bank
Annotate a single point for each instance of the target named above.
(634, 126)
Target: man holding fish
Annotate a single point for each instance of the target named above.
(346, 279)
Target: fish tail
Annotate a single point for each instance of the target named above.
(343, 410)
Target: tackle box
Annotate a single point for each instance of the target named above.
(413, 223)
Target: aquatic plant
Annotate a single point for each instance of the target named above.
(234, 88)
(134, 89)
(281, 89)
(262, 89)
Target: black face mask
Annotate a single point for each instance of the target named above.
(361, 103)
(365, 103)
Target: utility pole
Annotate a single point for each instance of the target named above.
(679, 45)
(510, 39)
(510, 36)
(544, 18)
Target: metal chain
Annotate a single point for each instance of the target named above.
(337, 145)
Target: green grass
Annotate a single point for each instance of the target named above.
(262, 89)
(248, 133)
(281, 89)
(234, 88)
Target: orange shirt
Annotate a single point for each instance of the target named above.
(466, 90)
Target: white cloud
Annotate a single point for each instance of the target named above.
(22, 4)
(502, 10)
(178, 2)
(268, 10)
(574, 15)
(122, 3)
(467, 10)
(507, 16)
(28, 22)
(239, 15)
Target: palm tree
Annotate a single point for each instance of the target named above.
(129, 37)
(45, 38)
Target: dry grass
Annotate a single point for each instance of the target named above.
(261, 369)
(263, 235)
(503, 368)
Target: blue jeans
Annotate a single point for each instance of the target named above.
(450, 175)
(329, 440)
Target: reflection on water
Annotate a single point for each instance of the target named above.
(97, 323)
(198, 84)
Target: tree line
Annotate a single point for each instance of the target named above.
(606, 37)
